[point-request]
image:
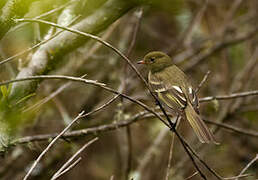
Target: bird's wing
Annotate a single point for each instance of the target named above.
(176, 77)
(172, 95)
(193, 99)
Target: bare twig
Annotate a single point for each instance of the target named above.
(52, 11)
(92, 82)
(50, 145)
(89, 36)
(219, 46)
(109, 46)
(139, 75)
(36, 45)
(171, 125)
(70, 160)
(187, 148)
(70, 78)
(43, 59)
(194, 174)
(64, 86)
(110, 127)
(231, 96)
(229, 178)
(124, 77)
(203, 81)
(102, 106)
(70, 167)
(83, 80)
(46, 99)
(202, 161)
(239, 176)
(170, 156)
(63, 132)
(84, 132)
(248, 165)
(135, 31)
(234, 129)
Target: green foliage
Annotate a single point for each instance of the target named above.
(5, 91)
(2, 3)
(12, 117)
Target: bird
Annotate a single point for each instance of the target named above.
(175, 92)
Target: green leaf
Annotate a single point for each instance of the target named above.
(4, 91)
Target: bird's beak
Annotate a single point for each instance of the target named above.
(141, 62)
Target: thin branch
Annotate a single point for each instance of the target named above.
(231, 96)
(239, 176)
(92, 82)
(84, 132)
(219, 46)
(50, 96)
(109, 46)
(64, 86)
(202, 161)
(70, 78)
(202, 82)
(102, 106)
(232, 128)
(171, 125)
(43, 15)
(50, 145)
(137, 72)
(114, 126)
(194, 174)
(170, 156)
(70, 167)
(187, 148)
(89, 36)
(248, 165)
(210, 169)
(70, 160)
(63, 132)
(124, 89)
(43, 59)
(135, 30)
(36, 45)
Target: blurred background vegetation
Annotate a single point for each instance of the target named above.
(215, 35)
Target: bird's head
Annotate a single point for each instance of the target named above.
(156, 61)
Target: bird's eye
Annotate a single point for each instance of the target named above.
(152, 59)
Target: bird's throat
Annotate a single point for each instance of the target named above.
(159, 67)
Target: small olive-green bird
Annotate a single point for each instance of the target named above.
(175, 92)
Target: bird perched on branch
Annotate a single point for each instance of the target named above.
(175, 92)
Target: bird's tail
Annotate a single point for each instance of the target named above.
(199, 127)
